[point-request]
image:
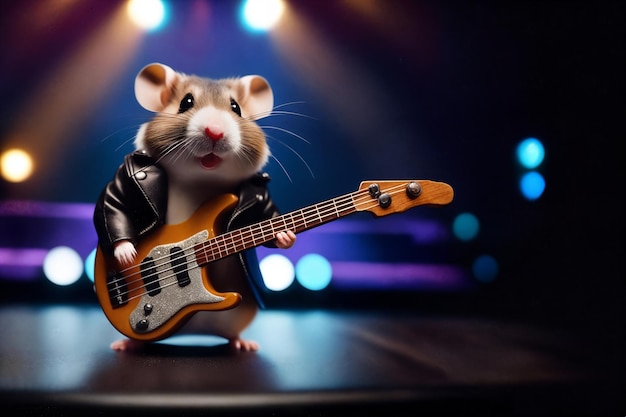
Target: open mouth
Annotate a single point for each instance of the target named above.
(210, 161)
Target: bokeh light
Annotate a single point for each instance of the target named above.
(16, 165)
(262, 15)
(313, 272)
(277, 271)
(465, 226)
(485, 268)
(530, 153)
(90, 264)
(147, 14)
(532, 185)
(63, 266)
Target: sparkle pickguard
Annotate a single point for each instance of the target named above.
(154, 310)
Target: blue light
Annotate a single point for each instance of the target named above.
(532, 185)
(313, 272)
(485, 268)
(90, 264)
(465, 226)
(530, 153)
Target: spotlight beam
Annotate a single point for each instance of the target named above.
(53, 116)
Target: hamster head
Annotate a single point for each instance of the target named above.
(204, 130)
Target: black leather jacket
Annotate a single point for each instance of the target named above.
(135, 201)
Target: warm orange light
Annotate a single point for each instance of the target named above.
(16, 165)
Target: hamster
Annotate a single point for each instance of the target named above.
(205, 138)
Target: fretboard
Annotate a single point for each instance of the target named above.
(259, 233)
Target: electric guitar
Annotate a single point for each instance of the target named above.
(150, 300)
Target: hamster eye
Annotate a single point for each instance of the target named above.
(234, 106)
(186, 103)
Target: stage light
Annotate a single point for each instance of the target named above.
(16, 165)
(147, 14)
(532, 184)
(465, 226)
(313, 272)
(63, 266)
(485, 268)
(90, 264)
(530, 153)
(262, 15)
(277, 271)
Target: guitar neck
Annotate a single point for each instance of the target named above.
(259, 233)
(381, 198)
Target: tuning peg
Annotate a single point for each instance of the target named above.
(374, 190)
(384, 200)
(413, 189)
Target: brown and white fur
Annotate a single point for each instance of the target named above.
(205, 137)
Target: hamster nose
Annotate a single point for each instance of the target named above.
(214, 133)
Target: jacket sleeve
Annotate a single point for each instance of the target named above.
(123, 210)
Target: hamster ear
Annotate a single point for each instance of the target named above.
(255, 97)
(153, 86)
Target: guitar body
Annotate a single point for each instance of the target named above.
(151, 300)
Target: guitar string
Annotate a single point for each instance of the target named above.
(354, 202)
(349, 201)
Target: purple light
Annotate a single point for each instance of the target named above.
(30, 229)
(45, 209)
(19, 273)
(22, 257)
(21, 264)
(397, 275)
(422, 231)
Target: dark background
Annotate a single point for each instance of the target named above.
(391, 89)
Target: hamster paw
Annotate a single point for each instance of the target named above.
(125, 252)
(285, 240)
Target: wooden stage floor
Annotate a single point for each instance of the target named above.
(55, 360)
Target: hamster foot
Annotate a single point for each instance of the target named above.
(127, 345)
(243, 345)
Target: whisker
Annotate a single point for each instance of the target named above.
(175, 147)
(286, 131)
(290, 113)
(129, 128)
(126, 142)
(289, 104)
(295, 152)
(183, 148)
(110, 135)
(282, 167)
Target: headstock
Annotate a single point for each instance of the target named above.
(395, 196)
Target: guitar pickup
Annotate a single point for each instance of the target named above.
(150, 276)
(179, 264)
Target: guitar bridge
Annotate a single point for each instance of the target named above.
(117, 289)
